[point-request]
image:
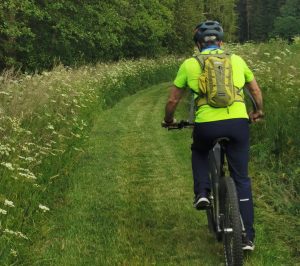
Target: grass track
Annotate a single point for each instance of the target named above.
(131, 197)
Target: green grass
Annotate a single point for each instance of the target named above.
(131, 200)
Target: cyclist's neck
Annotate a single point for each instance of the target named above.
(210, 47)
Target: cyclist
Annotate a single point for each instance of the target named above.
(212, 123)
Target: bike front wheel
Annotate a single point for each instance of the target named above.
(232, 227)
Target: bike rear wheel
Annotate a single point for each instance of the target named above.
(212, 212)
(232, 227)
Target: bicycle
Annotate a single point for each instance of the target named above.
(223, 215)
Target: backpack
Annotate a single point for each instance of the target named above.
(216, 86)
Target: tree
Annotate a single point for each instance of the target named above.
(14, 16)
(225, 13)
(287, 25)
(186, 16)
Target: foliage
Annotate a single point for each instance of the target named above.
(256, 18)
(180, 34)
(36, 34)
(287, 25)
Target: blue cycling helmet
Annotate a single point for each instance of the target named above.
(207, 29)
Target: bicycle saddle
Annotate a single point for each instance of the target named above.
(220, 140)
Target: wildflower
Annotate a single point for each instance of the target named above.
(50, 127)
(9, 166)
(3, 211)
(45, 73)
(9, 203)
(26, 173)
(18, 234)
(28, 159)
(267, 54)
(43, 208)
(277, 58)
(14, 252)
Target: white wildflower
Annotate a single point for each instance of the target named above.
(18, 234)
(28, 159)
(3, 211)
(277, 58)
(13, 252)
(9, 166)
(9, 203)
(45, 73)
(50, 127)
(26, 173)
(267, 54)
(44, 208)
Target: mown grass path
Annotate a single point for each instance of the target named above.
(131, 198)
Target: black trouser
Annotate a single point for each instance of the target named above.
(237, 153)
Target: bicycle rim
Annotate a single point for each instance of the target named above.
(232, 227)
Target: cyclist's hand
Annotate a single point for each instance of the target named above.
(167, 124)
(256, 116)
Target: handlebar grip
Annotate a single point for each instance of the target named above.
(182, 124)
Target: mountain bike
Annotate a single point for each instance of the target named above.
(223, 215)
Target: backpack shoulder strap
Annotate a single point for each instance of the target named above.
(200, 60)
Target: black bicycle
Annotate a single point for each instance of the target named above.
(223, 215)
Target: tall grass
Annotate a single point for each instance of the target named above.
(275, 142)
(44, 119)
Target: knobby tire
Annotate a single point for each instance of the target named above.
(232, 241)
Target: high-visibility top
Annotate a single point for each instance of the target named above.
(188, 77)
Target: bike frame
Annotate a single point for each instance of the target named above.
(217, 172)
(215, 169)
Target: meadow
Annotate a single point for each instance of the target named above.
(46, 119)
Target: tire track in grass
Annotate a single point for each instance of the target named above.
(159, 191)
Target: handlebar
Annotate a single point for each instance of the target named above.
(179, 125)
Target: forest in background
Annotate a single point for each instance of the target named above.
(36, 34)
